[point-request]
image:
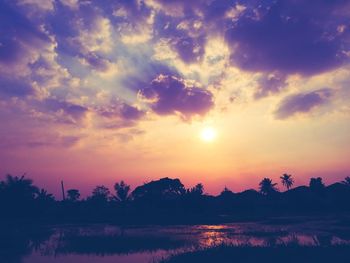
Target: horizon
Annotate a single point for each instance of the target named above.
(217, 92)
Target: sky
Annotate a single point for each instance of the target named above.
(221, 92)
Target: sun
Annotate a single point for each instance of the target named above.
(208, 134)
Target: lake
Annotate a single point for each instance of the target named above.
(108, 243)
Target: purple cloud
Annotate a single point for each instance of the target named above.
(168, 95)
(130, 113)
(15, 87)
(72, 113)
(121, 111)
(290, 37)
(302, 103)
(186, 36)
(17, 34)
(270, 84)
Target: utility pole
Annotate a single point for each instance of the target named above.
(63, 194)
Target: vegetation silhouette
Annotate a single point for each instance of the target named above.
(167, 201)
(346, 181)
(73, 195)
(287, 180)
(316, 184)
(122, 191)
(267, 187)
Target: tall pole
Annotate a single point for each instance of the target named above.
(63, 194)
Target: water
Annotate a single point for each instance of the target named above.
(108, 243)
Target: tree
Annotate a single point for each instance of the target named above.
(122, 191)
(73, 195)
(316, 184)
(44, 196)
(100, 193)
(17, 196)
(287, 180)
(198, 190)
(226, 193)
(346, 181)
(164, 188)
(267, 187)
(44, 200)
(19, 189)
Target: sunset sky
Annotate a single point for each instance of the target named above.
(220, 92)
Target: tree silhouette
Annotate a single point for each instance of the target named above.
(17, 196)
(164, 188)
(18, 189)
(44, 196)
(100, 193)
(226, 193)
(316, 184)
(267, 187)
(287, 180)
(346, 181)
(44, 200)
(198, 189)
(122, 191)
(73, 195)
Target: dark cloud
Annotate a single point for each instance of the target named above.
(53, 140)
(130, 113)
(120, 111)
(190, 49)
(15, 87)
(148, 70)
(270, 84)
(169, 95)
(186, 36)
(95, 61)
(66, 112)
(17, 34)
(302, 103)
(291, 36)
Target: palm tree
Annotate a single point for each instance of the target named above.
(346, 181)
(44, 199)
(122, 191)
(287, 180)
(19, 188)
(267, 187)
(44, 196)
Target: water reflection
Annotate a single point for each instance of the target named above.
(107, 243)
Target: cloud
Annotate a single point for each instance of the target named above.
(53, 140)
(15, 88)
(302, 103)
(170, 95)
(45, 5)
(290, 37)
(20, 40)
(270, 84)
(57, 56)
(186, 37)
(120, 111)
(64, 111)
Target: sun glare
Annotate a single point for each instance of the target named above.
(208, 134)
